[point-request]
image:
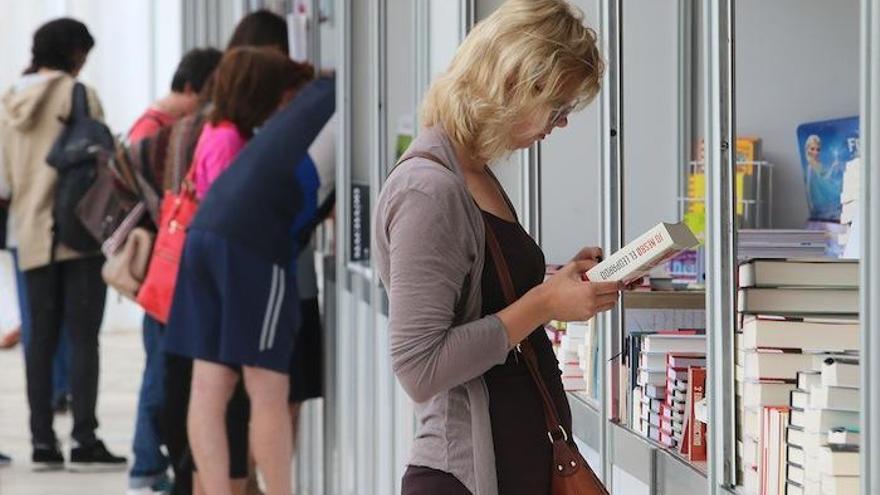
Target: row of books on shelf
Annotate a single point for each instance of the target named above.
(797, 377)
(688, 268)
(670, 380)
(799, 320)
(577, 349)
(849, 237)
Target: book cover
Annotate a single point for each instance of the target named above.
(637, 258)
(825, 147)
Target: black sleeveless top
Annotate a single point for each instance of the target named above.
(523, 453)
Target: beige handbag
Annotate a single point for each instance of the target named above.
(125, 269)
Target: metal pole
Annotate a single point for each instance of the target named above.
(718, 17)
(468, 17)
(422, 56)
(870, 247)
(685, 105)
(377, 179)
(612, 216)
(334, 415)
(315, 34)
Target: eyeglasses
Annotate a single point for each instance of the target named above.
(561, 113)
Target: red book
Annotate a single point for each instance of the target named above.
(697, 430)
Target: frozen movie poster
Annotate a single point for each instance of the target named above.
(825, 147)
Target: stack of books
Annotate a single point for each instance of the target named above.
(672, 423)
(794, 312)
(823, 439)
(777, 243)
(849, 198)
(588, 358)
(694, 439)
(655, 414)
(570, 343)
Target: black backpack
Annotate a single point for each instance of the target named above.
(75, 156)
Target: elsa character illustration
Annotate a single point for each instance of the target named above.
(823, 182)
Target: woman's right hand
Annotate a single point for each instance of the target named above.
(570, 298)
(565, 296)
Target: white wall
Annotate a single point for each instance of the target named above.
(649, 114)
(137, 47)
(797, 61)
(570, 176)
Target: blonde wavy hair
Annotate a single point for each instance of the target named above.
(528, 58)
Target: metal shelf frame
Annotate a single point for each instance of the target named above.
(611, 209)
(720, 127)
(870, 247)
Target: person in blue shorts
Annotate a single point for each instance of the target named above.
(236, 301)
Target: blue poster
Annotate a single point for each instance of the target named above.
(825, 147)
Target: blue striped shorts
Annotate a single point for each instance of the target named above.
(232, 307)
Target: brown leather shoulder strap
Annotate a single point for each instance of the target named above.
(420, 154)
(550, 413)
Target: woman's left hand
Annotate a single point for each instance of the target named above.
(595, 253)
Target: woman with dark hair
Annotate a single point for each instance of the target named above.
(261, 28)
(250, 84)
(64, 286)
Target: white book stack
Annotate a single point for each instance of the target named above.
(780, 359)
(777, 243)
(657, 417)
(849, 197)
(823, 434)
(587, 353)
(569, 362)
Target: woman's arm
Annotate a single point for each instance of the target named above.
(429, 264)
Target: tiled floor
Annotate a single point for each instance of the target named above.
(122, 359)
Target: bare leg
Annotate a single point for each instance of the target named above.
(212, 386)
(270, 427)
(295, 408)
(239, 486)
(197, 485)
(253, 486)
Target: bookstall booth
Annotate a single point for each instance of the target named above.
(709, 115)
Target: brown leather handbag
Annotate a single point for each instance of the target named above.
(570, 474)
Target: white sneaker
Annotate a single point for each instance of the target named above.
(161, 487)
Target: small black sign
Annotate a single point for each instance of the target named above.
(360, 222)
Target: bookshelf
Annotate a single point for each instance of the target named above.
(627, 451)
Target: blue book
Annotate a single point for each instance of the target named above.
(825, 147)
